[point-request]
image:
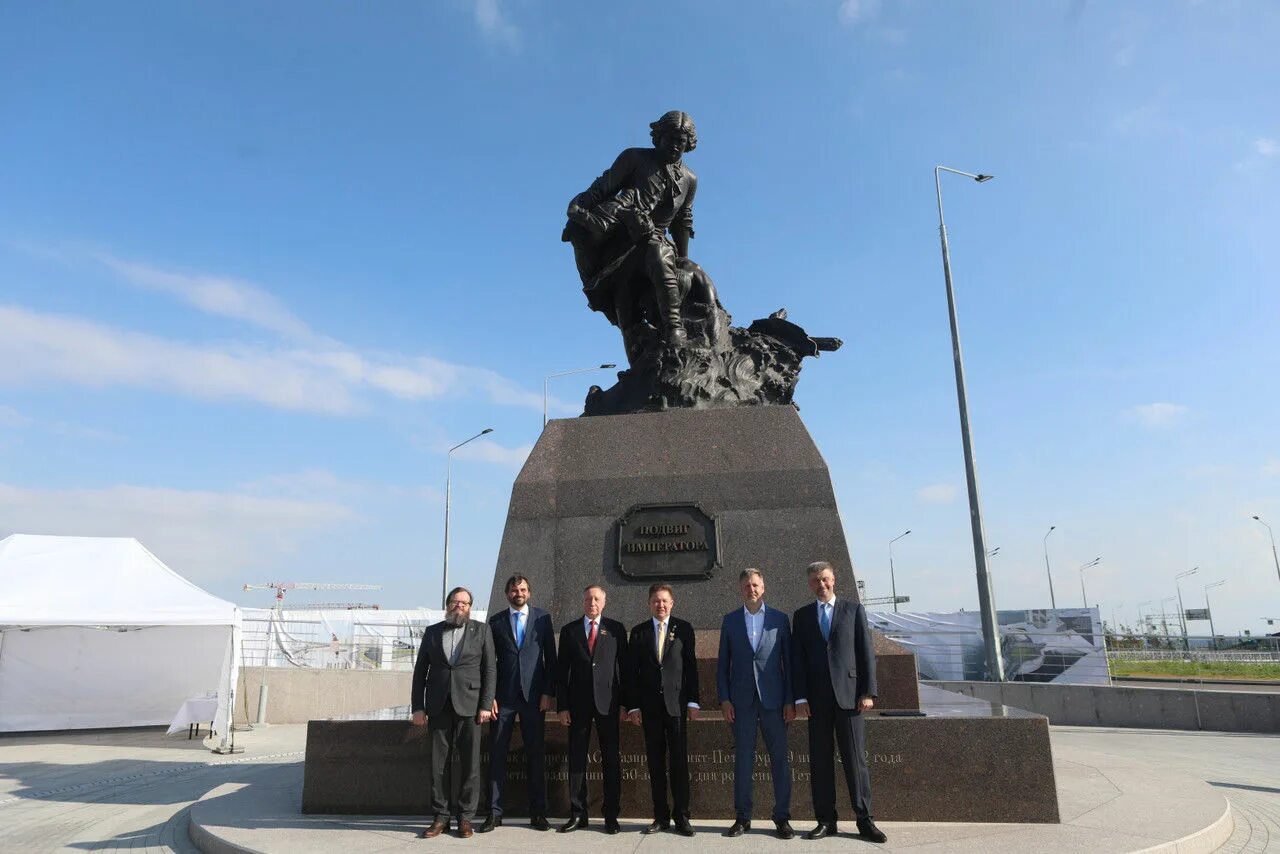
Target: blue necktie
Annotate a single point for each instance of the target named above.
(825, 621)
(520, 628)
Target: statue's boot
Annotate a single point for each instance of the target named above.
(669, 301)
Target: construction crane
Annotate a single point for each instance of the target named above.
(281, 586)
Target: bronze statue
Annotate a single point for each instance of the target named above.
(630, 232)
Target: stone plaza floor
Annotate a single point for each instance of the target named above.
(1120, 790)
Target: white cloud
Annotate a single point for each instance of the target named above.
(37, 347)
(487, 451)
(1271, 468)
(1266, 147)
(1156, 416)
(45, 347)
(323, 484)
(854, 12)
(936, 493)
(494, 25)
(205, 536)
(218, 295)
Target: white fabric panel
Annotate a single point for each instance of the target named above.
(104, 581)
(77, 677)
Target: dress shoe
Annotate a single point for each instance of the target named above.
(822, 831)
(464, 829)
(656, 827)
(784, 830)
(738, 828)
(436, 828)
(612, 827)
(683, 827)
(867, 830)
(574, 822)
(489, 824)
(539, 822)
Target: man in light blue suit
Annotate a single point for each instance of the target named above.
(753, 679)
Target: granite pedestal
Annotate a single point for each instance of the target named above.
(754, 470)
(965, 760)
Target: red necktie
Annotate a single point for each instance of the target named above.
(591, 639)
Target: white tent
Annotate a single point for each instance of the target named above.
(98, 632)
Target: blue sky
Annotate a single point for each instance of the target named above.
(260, 266)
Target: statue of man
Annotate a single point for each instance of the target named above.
(630, 230)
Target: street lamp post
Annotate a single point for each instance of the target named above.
(986, 597)
(1142, 617)
(1273, 543)
(1053, 603)
(1182, 612)
(1164, 615)
(893, 583)
(1092, 563)
(1213, 634)
(549, 377)
(448, 501)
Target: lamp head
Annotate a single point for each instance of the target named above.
(982, 179)
(486, 430)
(606, 367)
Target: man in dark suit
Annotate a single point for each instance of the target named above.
(453, 684)
(835, 682)
(665, 669)
(753, 681)
(593, 652)
(526, 646)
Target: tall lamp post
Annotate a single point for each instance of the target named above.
(1142, 617)
(1213, 634)
(986, 598)
(1182, 612)
(1258, 519)
(549, 377)
(1092, 563)
(448, 500)
(893, 583)
(1053, 603)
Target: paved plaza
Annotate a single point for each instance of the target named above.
(1120, 790)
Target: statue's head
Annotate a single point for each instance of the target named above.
(673, 135)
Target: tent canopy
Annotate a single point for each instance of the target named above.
(98, 581)
(98, 632)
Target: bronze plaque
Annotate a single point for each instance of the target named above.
(659, 542)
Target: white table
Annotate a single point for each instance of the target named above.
(193, 712)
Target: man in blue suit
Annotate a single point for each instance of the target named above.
(526, 653)
(835, 682)
(753, 680)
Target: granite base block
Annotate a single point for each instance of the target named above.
(942, 767)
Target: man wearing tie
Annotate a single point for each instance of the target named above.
(524, 641)
(753, 682)
(453, 681)
(835, 682)
(664, 666)
(593, 651)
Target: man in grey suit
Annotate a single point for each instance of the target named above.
(453, 688)
(835, 682)
(753, 680)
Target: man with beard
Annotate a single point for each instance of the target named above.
(665, 668)
(593, 651)
(834, 677)
(453, 685)
(525, 643)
